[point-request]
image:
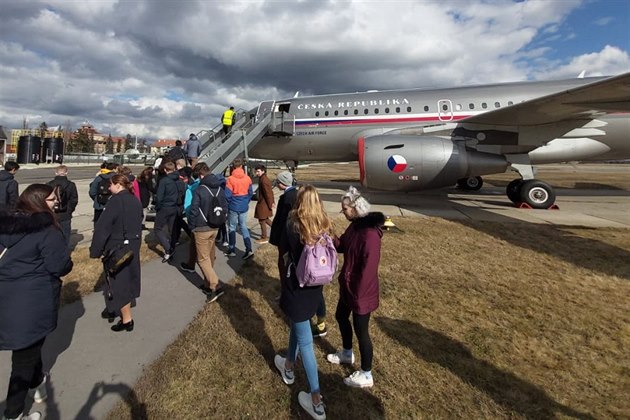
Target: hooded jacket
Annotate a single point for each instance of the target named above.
(361, 248)
(238, 191)
(202, 201)
(8, 190)
(36, 257)
(192, 147)
(169, 190)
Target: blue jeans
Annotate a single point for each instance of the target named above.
(235, 218)
(301, 340)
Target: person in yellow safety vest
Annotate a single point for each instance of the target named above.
(227, 120)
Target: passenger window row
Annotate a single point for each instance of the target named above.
(458, 107)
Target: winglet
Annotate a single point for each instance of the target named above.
(581, 75)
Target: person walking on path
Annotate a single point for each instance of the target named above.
(33, 258)
(99, 192)
(68, 198)
(284, 181)
(227, 119)
(238, 191)
(146, 189)
(306, 223)
(358, 283)
(178, 155)
(205, 231)
(265, 203)
(121, 221)
(9, 189)
(169, 204)
(192, 148)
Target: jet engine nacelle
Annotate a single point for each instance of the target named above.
(409, 163)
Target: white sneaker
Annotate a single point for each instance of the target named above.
(39, 393)
(338, 358)
(359, 380)
(318, 412)
(287, 375)
(35, 415)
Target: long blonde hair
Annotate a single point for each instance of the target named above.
(309, 217)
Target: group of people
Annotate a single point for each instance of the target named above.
(302, 220)
(34, 238)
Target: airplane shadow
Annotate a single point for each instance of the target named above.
(601, 257)
(506, 389)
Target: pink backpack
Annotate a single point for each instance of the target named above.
(318, 263)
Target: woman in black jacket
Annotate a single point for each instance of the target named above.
(306, 222)
(121, 220)
(33, 258)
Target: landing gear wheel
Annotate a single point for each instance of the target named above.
(537, 194)
(473, 183)
(513, 190)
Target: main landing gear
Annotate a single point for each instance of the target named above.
(531, 192)
(536, 194)
(473, 183)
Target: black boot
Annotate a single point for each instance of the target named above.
(109, 316)
(122, 326)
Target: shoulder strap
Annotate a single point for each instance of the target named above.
(4, 251)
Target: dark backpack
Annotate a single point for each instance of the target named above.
(62, 196)
(102, 190)
(181, 193)
(216, 216)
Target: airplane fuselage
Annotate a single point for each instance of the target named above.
(327, 127)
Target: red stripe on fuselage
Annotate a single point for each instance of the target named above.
(382, 121)
(361, 150)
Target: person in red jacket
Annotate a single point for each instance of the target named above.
(358, 283)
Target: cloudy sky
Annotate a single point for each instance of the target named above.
(165, 68)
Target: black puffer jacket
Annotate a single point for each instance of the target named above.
(8, 190)
(36, 257)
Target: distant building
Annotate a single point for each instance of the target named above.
(3, 145)
(161, 146)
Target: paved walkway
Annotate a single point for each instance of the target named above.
(93, 368)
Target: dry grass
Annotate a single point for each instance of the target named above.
(476, 320)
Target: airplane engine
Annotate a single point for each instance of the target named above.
(409, 163)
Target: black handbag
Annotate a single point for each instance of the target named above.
(119, 256)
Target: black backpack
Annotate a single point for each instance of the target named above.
(102, 190)
(217, 215)
(181, 193)
(62, 196)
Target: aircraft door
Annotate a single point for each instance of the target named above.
(263, 109)
(445, 110)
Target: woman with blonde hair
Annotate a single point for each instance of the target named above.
(306, 223)
(121, 221)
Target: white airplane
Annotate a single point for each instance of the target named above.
(407, 140)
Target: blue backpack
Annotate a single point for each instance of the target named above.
(318, 263)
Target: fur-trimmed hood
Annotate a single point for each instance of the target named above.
(14, 226)
(371, 220)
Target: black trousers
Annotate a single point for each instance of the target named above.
(26, 373)
(165, 219)
(361, 324)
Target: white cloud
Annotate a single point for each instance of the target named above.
(169, 68)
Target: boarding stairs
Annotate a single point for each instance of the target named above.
(219, 150)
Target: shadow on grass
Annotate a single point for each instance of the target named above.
(137, 410)
(559, 242)
(504, 388)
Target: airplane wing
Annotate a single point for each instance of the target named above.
(610, 95)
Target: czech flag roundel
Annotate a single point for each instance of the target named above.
(397, 163)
